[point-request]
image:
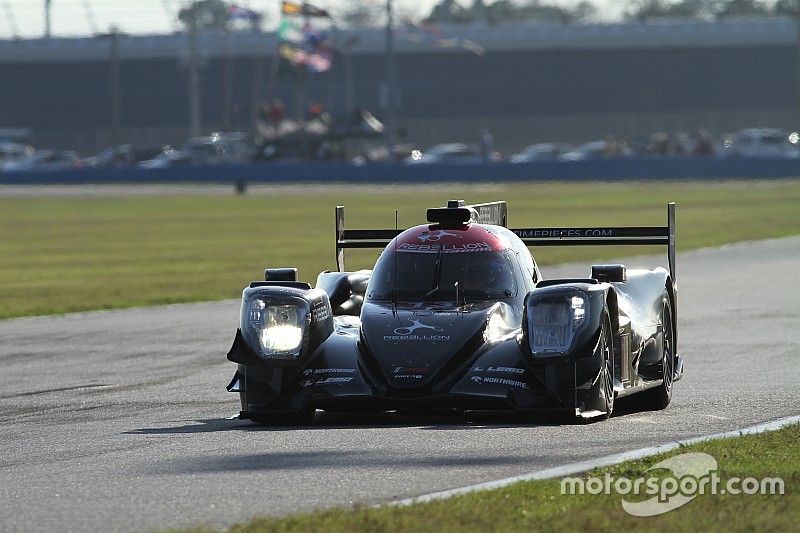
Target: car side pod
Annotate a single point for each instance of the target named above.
(345, 290)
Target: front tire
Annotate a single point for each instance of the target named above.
(607, 375)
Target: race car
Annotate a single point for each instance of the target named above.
(456, 316)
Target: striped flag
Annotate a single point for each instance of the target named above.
(292, 8)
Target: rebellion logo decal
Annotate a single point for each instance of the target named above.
(434, 236)
(415, 325)
(406, 333)
(445, 248)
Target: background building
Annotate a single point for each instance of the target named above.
(526, 83)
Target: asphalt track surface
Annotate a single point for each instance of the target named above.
(119, 421)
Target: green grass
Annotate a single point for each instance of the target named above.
(62, 254)
(541, 506)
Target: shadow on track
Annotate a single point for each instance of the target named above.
(484, 420)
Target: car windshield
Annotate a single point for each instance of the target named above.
(443, 276)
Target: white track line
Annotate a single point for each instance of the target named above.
(584, 466)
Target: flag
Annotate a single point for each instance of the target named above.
(236, 12)
(304, 44)
(289, 31)
(430, 28)
(316, 59)
(290, 8)
(472, 46)
(319, 60)
(311, 11)
(293, 54)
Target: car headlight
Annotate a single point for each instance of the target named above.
(276, 330)
(554, 322)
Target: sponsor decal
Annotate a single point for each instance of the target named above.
(429, 338)
(499, 381)
(415, 325)
(409, 372)
(420, 369)
(566, 232)
(406, 333)
(445, 248)
(434, 236)
(328, 381)
(310, 382)
(500, 369)
(310, 371)
(320, 312)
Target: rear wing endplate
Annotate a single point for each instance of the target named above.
(496, 213)
(358, 238)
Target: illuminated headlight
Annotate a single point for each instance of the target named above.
(278, 329)
(554, 323)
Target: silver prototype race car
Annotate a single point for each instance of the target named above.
(456, 316)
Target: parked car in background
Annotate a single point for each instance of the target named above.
(218, 147)
(761, 142)
(211, 150)
(541, 152)
(46, 160)
(597, 149)
(11, 152)
(451, 153)
(169, 157)
(124, 155)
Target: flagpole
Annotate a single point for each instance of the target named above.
(194, 75)
(391, 82)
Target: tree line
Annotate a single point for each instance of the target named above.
(219, 14)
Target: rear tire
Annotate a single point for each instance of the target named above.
(661, 396)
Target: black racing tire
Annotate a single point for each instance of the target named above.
(607, 374)
(660, 397)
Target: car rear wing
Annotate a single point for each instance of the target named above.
(607, 236)
(497, 213)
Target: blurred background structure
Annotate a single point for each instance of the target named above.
(528, 72)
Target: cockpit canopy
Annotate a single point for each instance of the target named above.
(429, 263)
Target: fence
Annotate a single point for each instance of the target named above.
(624, 168)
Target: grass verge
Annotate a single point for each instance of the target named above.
(71, 253)
(541, 505)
